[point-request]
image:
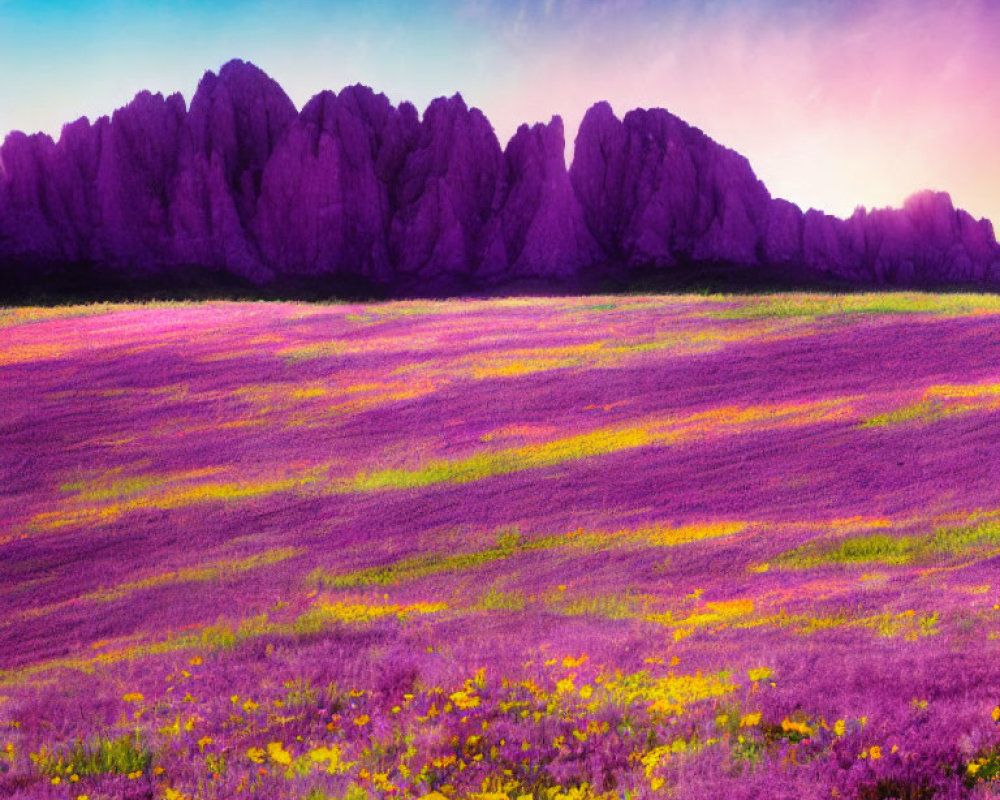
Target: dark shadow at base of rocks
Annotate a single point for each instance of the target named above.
(44, 284)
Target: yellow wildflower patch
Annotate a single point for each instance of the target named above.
(603, 441)
(790, 726)
(331, 758)
(359, 612)
(465, 699)
(278, 753)
(668, 695)
(256, 755)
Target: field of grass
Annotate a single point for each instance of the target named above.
(560, 549)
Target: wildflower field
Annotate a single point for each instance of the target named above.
(615, 547)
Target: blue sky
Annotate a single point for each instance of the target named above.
(835, 102)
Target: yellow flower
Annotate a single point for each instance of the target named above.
(586, 691)
(382, 782)
(875, 752)
(74, 778)
(132, 697)
(250, 706)
(655, 784)
(362, 720)
(135, 775)
(331, 755)
(996, 714)
(839, 727)
(749, 720)
(973, 768)
(464, 699)
(256, 755)
(795, 727)
(565, 686)
(56, 780)
(195, 661)
(278, 753)
(203, 742)
(761, 674)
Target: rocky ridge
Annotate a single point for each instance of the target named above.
(354, 196)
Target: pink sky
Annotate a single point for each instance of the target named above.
(862, 109)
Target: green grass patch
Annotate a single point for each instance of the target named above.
(491, 463)
(498, 600)
(881, 548)
(407, 569)
(509, 543)
(927, 411)
(625, 606)
(984, 769)
(808, 305)
(124, 755)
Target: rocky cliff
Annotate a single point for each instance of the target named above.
(352, 195)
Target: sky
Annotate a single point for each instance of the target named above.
(836, 103)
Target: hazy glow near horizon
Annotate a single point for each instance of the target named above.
(835, 104)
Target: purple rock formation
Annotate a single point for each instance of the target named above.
(353, 195)
(235, 122)
(446, 196)
(131, 196)
(656, 191)
(325, 208)
(541, 221)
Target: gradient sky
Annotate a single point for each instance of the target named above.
(836, 103)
